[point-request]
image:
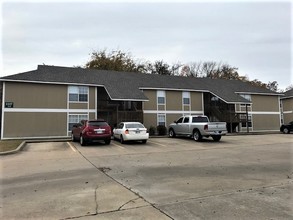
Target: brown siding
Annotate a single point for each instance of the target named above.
(266, 122)
(170, 118)
(174, 100)
(92, 116)
(287, 104)
(161, 107)
(186, 108)
(150, 120)
(265, 103)
(152, 103)
(288, 118)
(92, 98)
(17, 125)
(33, 95)
(78, 105)
(196, 101)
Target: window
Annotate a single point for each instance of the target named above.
(186, 98)
(246, 96)
(245, 122)
(134, 125)
(179, 120)
(186, 120)
(75, 119)
(78, 93)
(120, 126)
(97, 123)
(161, 97)
(162, 119)
(199, 119)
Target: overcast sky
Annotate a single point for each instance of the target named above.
(255, 37)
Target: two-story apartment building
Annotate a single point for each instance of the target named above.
(287, 106)
(46, 102)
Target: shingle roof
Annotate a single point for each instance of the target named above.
(128, 85)
(288, 94)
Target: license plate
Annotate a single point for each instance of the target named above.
(99, 131)
(137, 132)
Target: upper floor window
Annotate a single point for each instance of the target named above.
(246, 96)
(161, 97)
(186, 98)
(78, 93)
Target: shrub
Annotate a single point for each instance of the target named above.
(152, 130)
(162, 130)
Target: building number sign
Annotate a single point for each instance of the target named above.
(8, 104)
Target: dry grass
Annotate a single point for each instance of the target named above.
(9, 145)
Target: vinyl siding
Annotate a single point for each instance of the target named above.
(32, 95)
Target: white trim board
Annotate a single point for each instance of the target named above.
(172, 112)
(287, 112)
(52, 110)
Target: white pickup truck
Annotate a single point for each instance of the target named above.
(197, 127)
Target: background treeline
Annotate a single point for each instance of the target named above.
(121, 61)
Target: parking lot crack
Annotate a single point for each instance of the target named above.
(132, 200)
(96, 200)
(104, 171)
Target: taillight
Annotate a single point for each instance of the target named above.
(206, 127)
(88, 131)
(108, 130)
(126, 131)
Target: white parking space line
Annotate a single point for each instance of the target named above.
(117, 145)
(71, 146)
(157, 143)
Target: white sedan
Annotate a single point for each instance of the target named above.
(131, 131)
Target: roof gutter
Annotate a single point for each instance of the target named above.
(260, 93)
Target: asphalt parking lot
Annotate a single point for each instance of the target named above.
(240, 177)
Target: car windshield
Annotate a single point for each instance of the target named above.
(97, 123)
(199, 119)
(134, 125)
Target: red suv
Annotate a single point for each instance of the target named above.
(92, 130)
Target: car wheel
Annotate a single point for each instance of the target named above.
(73, 139)
(144, 141)
(122, 139)
(82, 141)
(286, 131)
(107, 142)
(197, 136)
(172, 133)
(216, 137)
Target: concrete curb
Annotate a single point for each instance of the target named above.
(23, 144)
(19, 148)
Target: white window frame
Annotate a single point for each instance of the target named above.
(161, 94)
(186, 95)
(246, 96)
(78, 118)
(160, 116)
(78, 90)
(243, 107)
(249, 122)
